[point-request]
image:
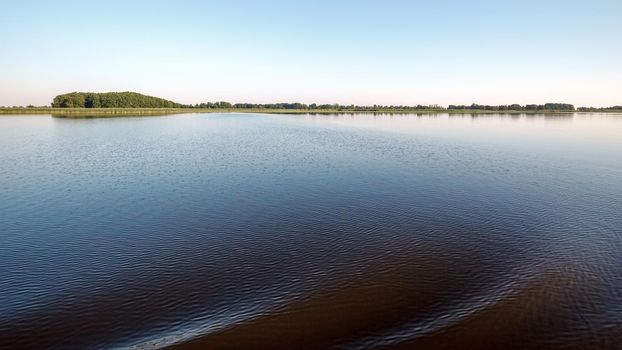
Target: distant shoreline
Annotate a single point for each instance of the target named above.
(128, 103)
(113, 112)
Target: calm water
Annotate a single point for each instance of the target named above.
(218, 231)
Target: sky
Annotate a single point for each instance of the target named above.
(323, 51)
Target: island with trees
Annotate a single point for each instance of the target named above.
(111, 100)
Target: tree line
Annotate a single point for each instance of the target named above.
(561, 107)
(136, 100)
(600, 109)
(301, 106)
(313, 106)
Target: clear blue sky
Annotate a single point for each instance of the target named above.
(362, 52)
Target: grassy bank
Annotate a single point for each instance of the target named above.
(95, 112)
(112, 112)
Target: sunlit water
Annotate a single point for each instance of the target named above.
(216, 231)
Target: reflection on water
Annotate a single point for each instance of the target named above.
(228, 231)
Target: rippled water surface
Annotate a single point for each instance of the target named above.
(229, 231)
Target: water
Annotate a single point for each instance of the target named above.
(230, 231)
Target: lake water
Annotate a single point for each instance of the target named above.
(236, 231)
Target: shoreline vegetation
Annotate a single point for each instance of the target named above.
(110, 104)
(139, 112)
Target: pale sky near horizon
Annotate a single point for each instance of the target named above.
(361, 52)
